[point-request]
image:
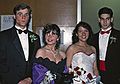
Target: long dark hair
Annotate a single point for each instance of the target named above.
(75, 31)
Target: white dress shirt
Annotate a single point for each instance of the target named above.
(103, 44)
(24, 42)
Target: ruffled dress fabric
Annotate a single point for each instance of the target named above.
(41, 66)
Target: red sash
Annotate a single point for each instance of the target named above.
(102, 65)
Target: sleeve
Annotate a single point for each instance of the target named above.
(3, 59)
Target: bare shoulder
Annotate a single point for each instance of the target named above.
(71, 50)
(93, 49)
(71, 47)
(40, 52)
(62, 53)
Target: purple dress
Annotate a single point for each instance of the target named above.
(42, 66)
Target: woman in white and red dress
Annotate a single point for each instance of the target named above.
(81, 57)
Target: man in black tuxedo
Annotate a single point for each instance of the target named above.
(18, 47)
(107, 43)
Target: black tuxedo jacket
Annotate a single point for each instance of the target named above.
(112, 61)
(13, 66)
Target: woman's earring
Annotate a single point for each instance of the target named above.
(57, 39)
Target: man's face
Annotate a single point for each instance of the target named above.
(105, 21)
(22, 17)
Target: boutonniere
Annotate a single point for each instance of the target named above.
(33, 37)
(113, 40)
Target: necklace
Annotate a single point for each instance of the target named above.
(55, 53)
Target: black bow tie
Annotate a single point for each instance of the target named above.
(20, 31)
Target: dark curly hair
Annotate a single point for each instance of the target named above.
(54, 28)
(105, 10)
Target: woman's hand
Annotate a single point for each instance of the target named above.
(26, 81)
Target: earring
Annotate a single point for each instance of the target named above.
(57, 39)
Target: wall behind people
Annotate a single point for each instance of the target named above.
(60, 12)
(90, 9)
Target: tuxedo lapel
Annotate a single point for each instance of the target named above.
(31, 46)
(16, 42)
(97, 47)
(97, 43)
(97, 37)
(108, 52)
(110, 38)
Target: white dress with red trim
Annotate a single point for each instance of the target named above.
(84, 63)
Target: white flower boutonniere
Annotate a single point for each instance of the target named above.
(33, 37)
(113, 40)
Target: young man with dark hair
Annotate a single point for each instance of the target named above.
(107, 43)
(18, 47)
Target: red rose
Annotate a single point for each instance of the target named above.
(77, 68)
(90, 76)
(78, 72)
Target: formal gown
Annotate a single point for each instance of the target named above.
(85, 63)
(48, 72)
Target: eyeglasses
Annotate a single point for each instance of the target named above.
(22, 15)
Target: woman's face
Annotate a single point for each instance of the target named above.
(51, 38)
(82, 33)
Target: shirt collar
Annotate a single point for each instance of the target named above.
(106, 29)
(20, 28)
